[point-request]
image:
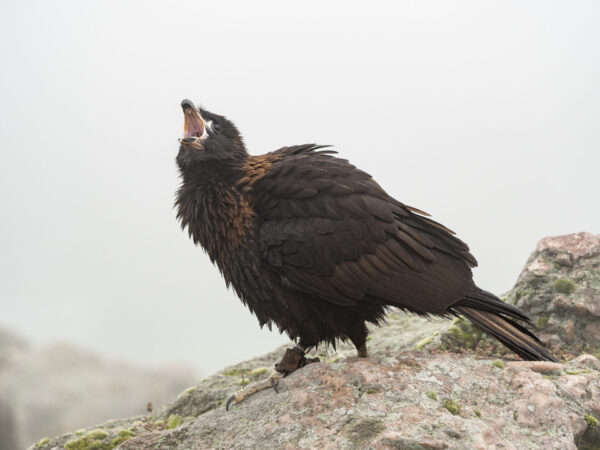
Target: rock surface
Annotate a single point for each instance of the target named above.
(428, 384)
(59, 388)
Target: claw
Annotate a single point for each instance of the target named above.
(232, 398)
(274, 385)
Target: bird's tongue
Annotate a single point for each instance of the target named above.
(194, 126)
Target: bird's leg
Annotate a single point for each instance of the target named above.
(292, 360)
(362, 350)
(358, 336)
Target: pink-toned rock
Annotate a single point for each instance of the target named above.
(439, 401)
(569, 329)
(543, 367)
(430, 398)
(560, 290)
(578, 245)
(593, 331)
(585, 361)
(539, 267)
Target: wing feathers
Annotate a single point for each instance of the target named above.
(328, 229)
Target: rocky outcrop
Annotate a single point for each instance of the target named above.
(51, 390)
(560, 288)
(428, 384)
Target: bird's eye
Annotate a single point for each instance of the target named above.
(215, 127)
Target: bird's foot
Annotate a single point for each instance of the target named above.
(292, 360)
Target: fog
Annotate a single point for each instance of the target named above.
(484, 114)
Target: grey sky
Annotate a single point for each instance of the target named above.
(485, 114)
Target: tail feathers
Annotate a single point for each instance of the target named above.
(486, 301)
(516, 337)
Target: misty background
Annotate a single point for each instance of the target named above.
(484, 114)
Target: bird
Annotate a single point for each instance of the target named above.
(316, 247)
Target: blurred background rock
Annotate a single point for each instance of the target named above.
(48, 390)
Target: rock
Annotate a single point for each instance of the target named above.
(543, 367)
(563, 299)
(335, 406)
(60, 388)
(427, 384)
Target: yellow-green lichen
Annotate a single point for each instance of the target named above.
(423, 343)
(92, 440)
(572, 372)
(498, 364)
(188, 391)
(244, 381)
(431, 395)
(477, 413)
(98, 433)
(79, 432)
(452, 406)
(371, 391)
(136, 424)
(125, 433)
(42, 442)
(591, 421)
(258, 372)
(122, 436)
(159, 423)
(173, 421)
(235, 372)
(519, 294)
(564, 286)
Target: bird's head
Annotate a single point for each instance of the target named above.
(208, 138)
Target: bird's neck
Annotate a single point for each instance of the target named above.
(216, 213)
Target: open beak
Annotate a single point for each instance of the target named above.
(193, 129)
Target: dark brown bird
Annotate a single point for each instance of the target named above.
(315, 246)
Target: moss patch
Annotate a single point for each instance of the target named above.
(173, 421)
(541, 322)
(431, 395)
(235, 372)
(463, 334)
(423, 343)
(363, 430)
(452, 406)
(122, 436)
(258, 372)
(498, 364)
(563, 286)
(591, 421)
(477, 413)
(93, 440)
(42, 442)
(590, 439)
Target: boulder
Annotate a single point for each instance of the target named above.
(427, 384)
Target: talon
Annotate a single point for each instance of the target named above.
(232, 398)
(274, 385)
